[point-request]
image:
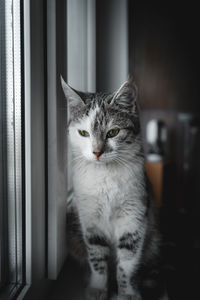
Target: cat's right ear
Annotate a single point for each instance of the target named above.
(73, 99)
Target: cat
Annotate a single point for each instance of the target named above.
(111, 220)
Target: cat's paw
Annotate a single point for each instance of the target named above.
(125, 297)
(95, 294)
(129, 297)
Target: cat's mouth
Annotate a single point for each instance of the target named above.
(103, 160)
(98, 160)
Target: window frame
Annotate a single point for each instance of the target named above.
(44, 59)
(11, 172)
(2, 150)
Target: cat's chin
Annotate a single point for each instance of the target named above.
(99, 161)
(103, 161)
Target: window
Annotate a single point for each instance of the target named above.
(38, 44)
(11, 151)
(32, 114)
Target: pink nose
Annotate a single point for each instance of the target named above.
(97, 154)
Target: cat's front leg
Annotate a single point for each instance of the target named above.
(98, 253)
(129, 251)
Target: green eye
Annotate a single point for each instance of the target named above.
(113, 132)
(84, 133)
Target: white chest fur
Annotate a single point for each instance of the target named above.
(102, 194)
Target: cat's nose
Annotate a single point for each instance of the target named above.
(98, 154)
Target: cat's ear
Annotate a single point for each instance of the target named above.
(72, 97)
(126, 96)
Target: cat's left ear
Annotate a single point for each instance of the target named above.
(73, 99)
(126, 97)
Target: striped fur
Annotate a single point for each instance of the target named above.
(112, 205)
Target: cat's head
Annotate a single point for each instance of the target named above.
(103, 127)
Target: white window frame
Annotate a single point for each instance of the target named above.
(34, 130)
(11, 135)
(45, 244)
(57, 137)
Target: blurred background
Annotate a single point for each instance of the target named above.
(96, 45)
(164, 58)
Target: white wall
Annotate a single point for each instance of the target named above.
(112, 44)
(81, 44)
(97, 35)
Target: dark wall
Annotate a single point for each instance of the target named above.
(164, 60)
(164, 54)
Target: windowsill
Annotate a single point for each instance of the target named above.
(69, 285)
(10, 291)
(23, 292)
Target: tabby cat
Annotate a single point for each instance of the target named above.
(111, 220)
